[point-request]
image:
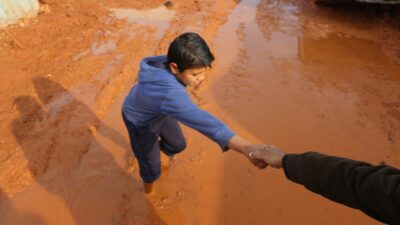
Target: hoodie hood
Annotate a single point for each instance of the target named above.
(154, 69)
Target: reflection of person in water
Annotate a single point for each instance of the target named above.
(375, 190)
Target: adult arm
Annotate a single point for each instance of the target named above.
(375, 190)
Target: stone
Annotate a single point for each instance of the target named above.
(168, 4)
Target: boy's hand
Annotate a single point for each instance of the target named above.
(270, 154)
(259, 163)
(243, 146)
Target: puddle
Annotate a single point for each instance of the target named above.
(278, 45)
(99, 49)
(146, 17)
(346, 51)
(272, 84)
(286, 86)
(158, 17)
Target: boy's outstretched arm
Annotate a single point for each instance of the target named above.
(177, 104)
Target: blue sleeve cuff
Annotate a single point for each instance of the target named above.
(222, 138)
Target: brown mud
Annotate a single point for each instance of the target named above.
(288, 73)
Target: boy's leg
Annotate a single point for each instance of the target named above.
(172, 139)
(148, 188)
(146, 148)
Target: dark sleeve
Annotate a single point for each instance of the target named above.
(375, 190)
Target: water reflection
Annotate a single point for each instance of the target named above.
(288, 83)
(152, 16)
(346, 51)
(158, 17)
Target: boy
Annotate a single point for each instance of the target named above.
(153, 107)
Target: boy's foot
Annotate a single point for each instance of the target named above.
(148, 188)
(166, 161)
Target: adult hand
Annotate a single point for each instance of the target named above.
(269, 154)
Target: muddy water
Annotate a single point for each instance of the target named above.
(287, 73)
(159, 18)
(280, 82)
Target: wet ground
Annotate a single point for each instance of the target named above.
(288, 73)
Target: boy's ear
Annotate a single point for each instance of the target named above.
(173, 67)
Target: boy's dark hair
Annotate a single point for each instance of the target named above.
(189, 50)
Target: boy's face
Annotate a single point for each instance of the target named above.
(192, 77)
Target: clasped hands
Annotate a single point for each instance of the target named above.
(263, 155)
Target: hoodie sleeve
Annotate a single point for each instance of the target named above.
(178, 105)
(373, 189)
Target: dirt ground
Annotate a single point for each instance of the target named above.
(289, 73)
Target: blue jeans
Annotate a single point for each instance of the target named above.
(147, 141)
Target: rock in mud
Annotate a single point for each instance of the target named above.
(168, 4)
(44, 9)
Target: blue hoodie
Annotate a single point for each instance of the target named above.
(159, 94)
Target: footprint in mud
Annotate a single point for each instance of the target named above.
(131, 166)
(198, 160)
(166, 202)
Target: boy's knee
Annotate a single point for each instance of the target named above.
(173, 148)
(180, 146)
